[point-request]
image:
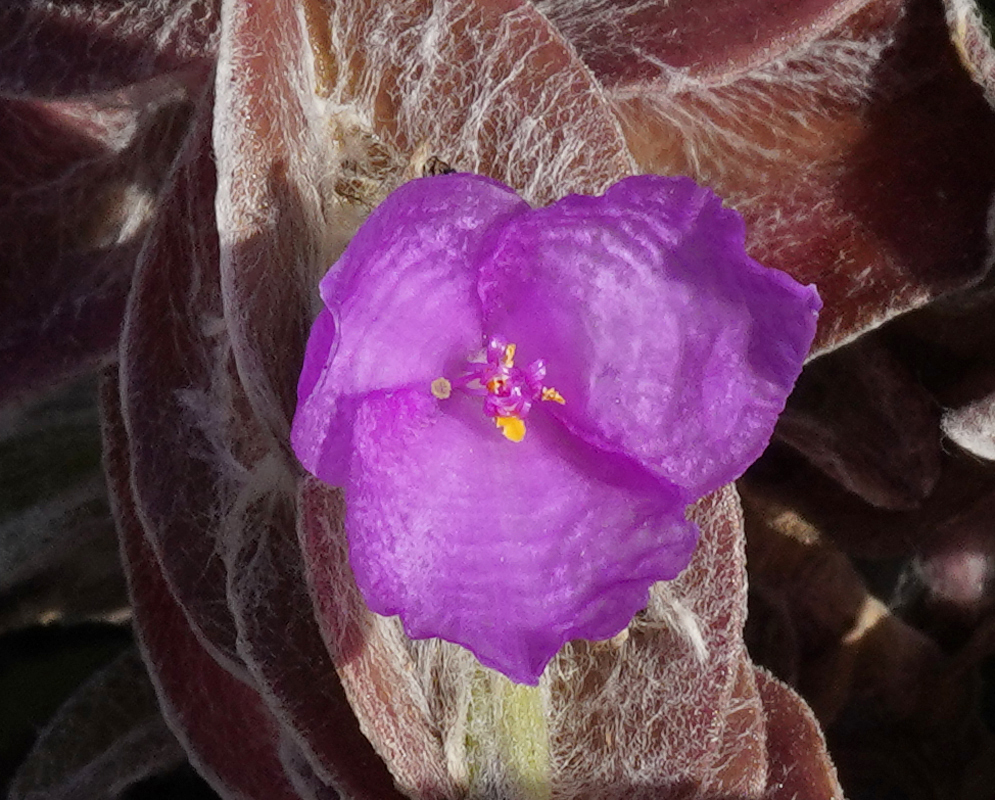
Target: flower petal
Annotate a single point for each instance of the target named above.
(509, 549)
(669, 343)
(404, 299)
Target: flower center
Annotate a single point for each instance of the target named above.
(508, 391)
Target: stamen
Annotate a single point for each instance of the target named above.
(442, 388)
(508, 391)
(513, 428)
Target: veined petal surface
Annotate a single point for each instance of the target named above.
(510, 550)
(669, 342)
(401, 306)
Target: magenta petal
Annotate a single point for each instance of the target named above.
(404, 299)
(507, 549)
(651, 359)
(669, 343)
(320, 349)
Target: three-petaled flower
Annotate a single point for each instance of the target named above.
(487, 507)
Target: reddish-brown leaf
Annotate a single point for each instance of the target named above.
(173, 369)
(863, 418)
(78, 183)
(53, 49)
(800, 768)
(856, 148)
(281, 645)
(652, 715)
(629, 42)
(229, 734)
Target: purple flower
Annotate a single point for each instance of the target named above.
(520, 403)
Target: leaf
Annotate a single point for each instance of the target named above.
(280, 643)
(107, 737)
(205, 706)
(58, 547)
(855, 145)
(77, 187)
(225, 541)
(628, 42)
(651, 714)
(863, 418)
(800, 766)
(81, 46)
(173, 360)
(94, 98)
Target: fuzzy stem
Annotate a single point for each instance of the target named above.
(507, 743)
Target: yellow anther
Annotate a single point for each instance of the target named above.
(509, 355)
(548, 393)
(513, 428)
(442, 388)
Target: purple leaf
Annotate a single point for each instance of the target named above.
(168, 375)
(78, 185)
(74, 48)
(206, 707)
(855, 147)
